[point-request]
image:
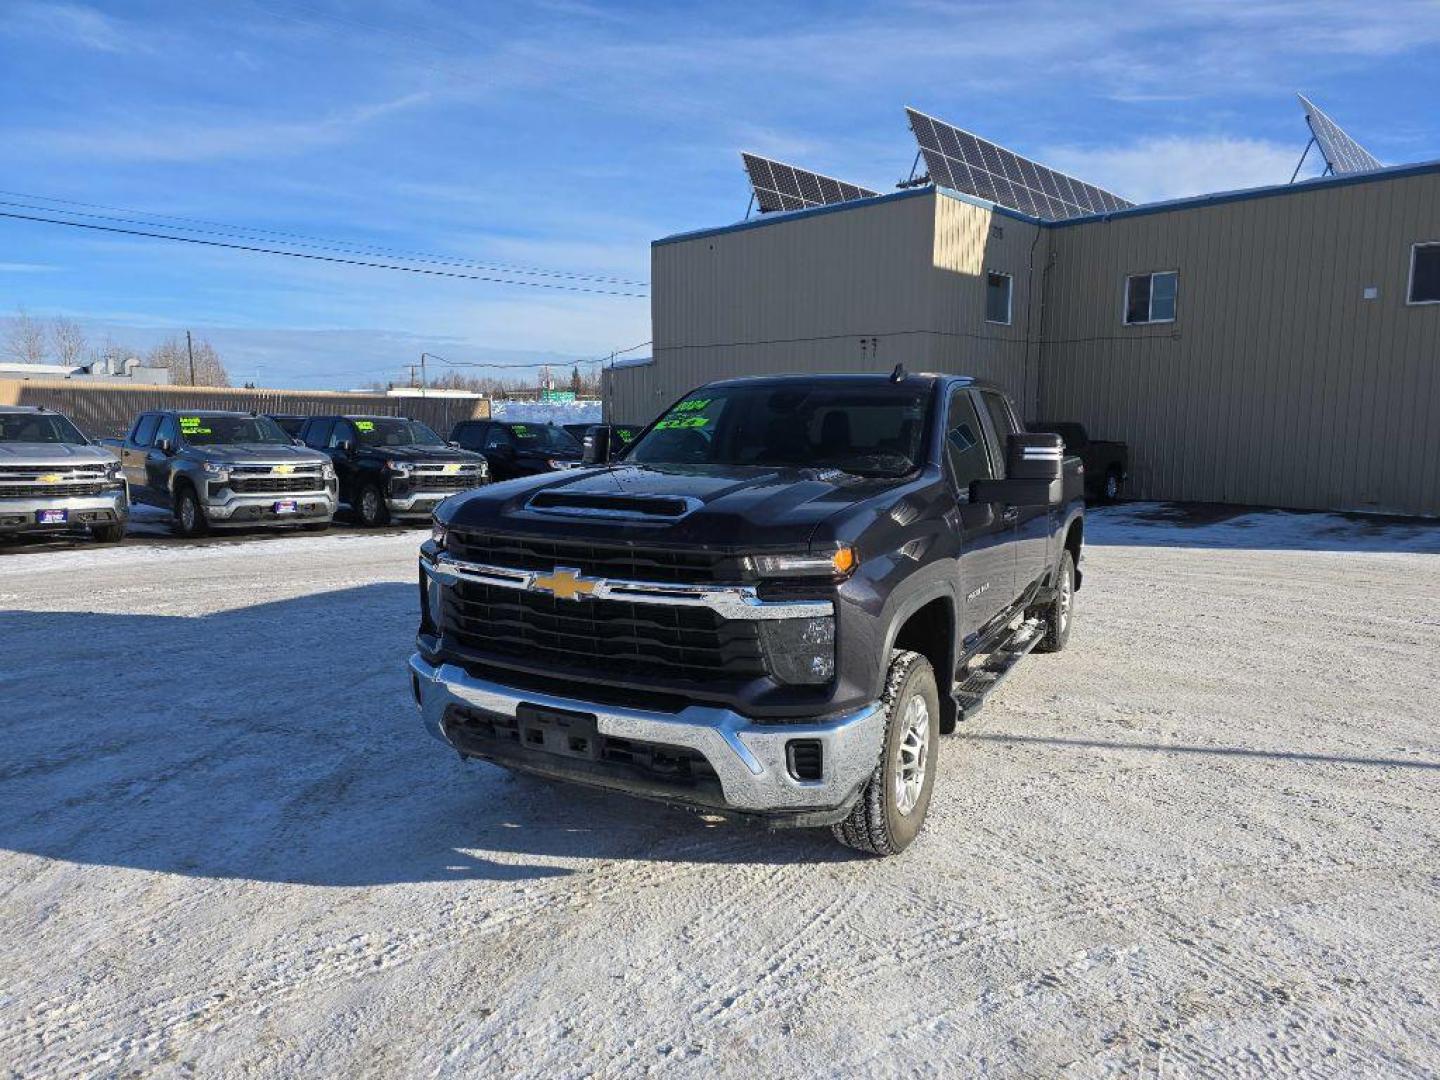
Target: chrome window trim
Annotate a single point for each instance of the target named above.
(728, 601)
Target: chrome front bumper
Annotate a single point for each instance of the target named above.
(419, 503)
(318, 505)
(748, 758)
(19, 515)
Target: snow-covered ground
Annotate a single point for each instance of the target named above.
(534, 412)
(1203, 841)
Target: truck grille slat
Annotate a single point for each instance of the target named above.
(264, 485)
(603, 637)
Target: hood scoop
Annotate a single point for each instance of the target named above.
(630, 507)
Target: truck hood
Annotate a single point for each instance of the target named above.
(709, 506)
(53, 454)
(437, 455)
(255, 454)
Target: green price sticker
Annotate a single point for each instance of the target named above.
(697, 405)
(682, 422)
(365, 425)
(522, 431)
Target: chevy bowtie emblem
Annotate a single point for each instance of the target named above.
(283, 470)
(50, 478)
(565, 583)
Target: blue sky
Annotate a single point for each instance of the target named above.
(568, 135)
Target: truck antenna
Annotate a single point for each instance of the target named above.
(898, 375)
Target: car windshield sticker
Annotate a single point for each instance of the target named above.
(625, 433)
(521, 431)
(190, 425)
(682, 415)
(365, 425)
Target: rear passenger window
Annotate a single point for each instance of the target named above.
(470, 436)
(965, 456)
(145, 430)
(497, 438)
(343, 431)
(318, 434)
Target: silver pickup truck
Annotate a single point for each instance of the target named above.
(53, 479)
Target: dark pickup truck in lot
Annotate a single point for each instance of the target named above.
(771, 605)
(1107, 464)
(516, 448)
(390, 467)
(216, 470)
(53, 479)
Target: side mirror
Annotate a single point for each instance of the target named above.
(165, 446)
(298, 442)
(346, 447)
(1035, 470)
(597, 445)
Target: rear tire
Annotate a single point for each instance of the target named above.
(892, 807)
(1110, 489)
(108, 534)
(370, 507)
(1058, 613)
(189, 515)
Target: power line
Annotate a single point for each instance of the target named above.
(319, 258)
(293, 239)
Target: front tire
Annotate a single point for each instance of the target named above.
(189, 514)
(108, 534)
(370, 507)
(896, 798)
(1058, 613)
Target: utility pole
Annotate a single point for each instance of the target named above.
(423, 380)
(190, 350)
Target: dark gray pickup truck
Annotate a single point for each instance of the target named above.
(226, 469)
(772, 604)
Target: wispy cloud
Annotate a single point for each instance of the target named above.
(76, 24)
(191, 137)
(1175, 166)
(27, 268)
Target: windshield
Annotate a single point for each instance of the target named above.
(218, 430)
(38, 428)
(386, 431)
(872, 430)
(544, 438)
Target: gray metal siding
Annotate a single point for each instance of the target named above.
(1277, 384)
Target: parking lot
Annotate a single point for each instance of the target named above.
(1204, 840)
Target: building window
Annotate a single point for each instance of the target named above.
(1425, 274)
(1150, 298)
(997, 297)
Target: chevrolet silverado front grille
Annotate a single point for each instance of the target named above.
(593, 559)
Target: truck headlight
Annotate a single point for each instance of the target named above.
(800, 650)
(438, 532)
(327, 470)
(839, 564)
(216, 470)
(401, 467)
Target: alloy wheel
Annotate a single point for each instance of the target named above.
(912, 756)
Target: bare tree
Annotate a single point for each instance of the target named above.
(25, 339)
(68, 340)
(172, 355)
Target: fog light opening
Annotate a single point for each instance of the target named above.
(805, 759)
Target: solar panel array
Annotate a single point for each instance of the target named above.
(965, 162)
(1342, 153)
(784, 187)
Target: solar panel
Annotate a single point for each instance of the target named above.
(964, 162)
(1342, 153)
(784, 187)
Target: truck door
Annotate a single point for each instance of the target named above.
(341, 436)
(158, 461)
(132, 454)
(986, 565)
(1032, 523)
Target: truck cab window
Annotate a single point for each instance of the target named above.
(498, 439)
(145, 429)
(965, 456)
(167, 431)
(342, 432)
(317, 435)
(1003, 420)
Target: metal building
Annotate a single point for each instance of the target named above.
(1278, 346)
